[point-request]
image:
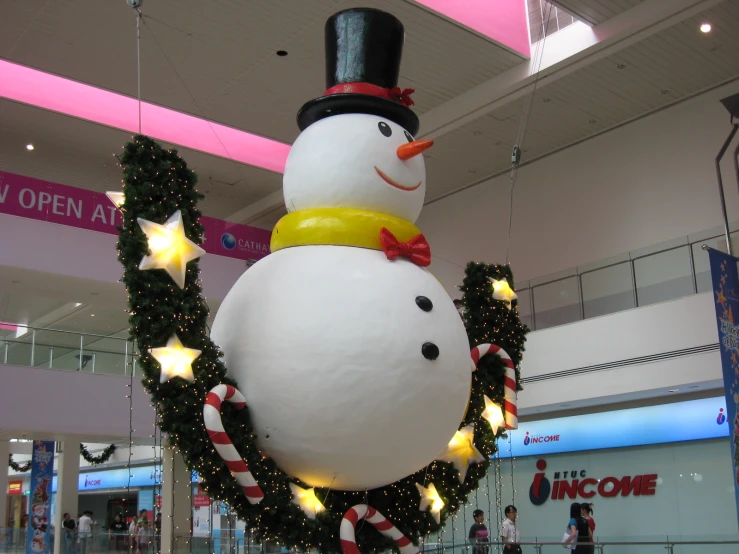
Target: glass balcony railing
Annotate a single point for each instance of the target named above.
(663, 272)
(659, 273)
(58, 349)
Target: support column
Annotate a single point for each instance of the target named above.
(4, 453)
(176, 502)
(68, 473)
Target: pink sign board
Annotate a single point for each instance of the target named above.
(55, 203)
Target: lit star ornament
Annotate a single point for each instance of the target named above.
(430, 499)
(461, 451)
(493, 414)
(175, 359)
(118, 198)
(306, 500)
(170, 248)
(503, 291)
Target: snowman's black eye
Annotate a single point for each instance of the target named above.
(424, 303)
(385, 128)
(408, 136)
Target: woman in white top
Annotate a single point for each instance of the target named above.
(133, 531)
(144, 536)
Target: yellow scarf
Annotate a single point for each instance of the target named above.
(338, 227)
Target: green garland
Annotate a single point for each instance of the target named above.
(94, 460)
(17, 467)
(157, 183)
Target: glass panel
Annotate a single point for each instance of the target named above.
(556, 303)
(56, 350)
(607, 290)
(524, 307)
(109, 355)
(700, 256)
(19, 350)
(663, 276)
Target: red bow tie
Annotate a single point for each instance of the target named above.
(416, 250)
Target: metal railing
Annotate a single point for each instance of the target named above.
(663, 272)
(68, 350)
(666, 271)
(102, 542)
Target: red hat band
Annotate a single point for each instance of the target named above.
(395, 94)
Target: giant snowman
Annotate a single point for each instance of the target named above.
(352, 357)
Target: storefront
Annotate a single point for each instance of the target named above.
(650, 472)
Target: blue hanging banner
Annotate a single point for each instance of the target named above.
(725, 277)
(39, 512)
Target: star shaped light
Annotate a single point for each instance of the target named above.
(175, 359)
(170, 248)
(118, 198)
(461, 451)
(503, 291)
(493, 414)
(306, 500)
(430, 499)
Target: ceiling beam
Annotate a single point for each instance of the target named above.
(564, 52)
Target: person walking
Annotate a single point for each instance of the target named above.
(133, 531)
(69, 526)
(587, 512)
(84, 531)
(144, 537)
(578, 536)
(478, 535)
(510, 532)
(117, 533)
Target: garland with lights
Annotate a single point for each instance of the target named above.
(17, 467)
(169, 315)
(94, 460)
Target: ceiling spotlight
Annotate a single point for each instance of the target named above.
(706, 27)
(92, 315)
(673, 390)
(29, 146)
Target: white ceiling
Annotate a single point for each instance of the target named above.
(656, 72)
(216, 58)
(596, 11)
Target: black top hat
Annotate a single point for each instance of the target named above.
(363, 51)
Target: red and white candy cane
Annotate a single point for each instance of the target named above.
(223, 444)
(509, 384)
(378, 521)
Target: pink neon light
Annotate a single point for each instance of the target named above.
(57, 94)
(8, 326)
(504, 21)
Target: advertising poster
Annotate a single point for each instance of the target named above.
(725, 279)
(42, 471)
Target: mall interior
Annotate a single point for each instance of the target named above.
(587, 147)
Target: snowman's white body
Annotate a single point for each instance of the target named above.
(326, 342)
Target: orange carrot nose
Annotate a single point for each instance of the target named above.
(407, 151)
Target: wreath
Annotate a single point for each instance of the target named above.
(94, 460)
(157, 184)
(17, 467)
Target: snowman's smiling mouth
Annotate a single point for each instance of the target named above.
(395, 184)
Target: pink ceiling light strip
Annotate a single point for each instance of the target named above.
(57, 94)
(504, 21)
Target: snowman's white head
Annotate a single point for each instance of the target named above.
(356, 161)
